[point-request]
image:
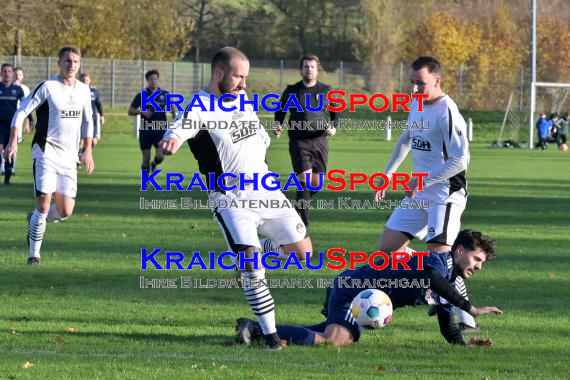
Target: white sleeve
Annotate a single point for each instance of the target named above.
(453, 130)
(186, 126)
(400, 152)
(29, 104)
(87, 128)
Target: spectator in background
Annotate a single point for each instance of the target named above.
(308, 144)
(10, 96)
(563, 131)
(554, 127)
(543, 127)
(150, 138)
(96, 106)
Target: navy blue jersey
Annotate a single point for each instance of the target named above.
(400, 296)
(9, 97)
(96, 101)
(160, 100)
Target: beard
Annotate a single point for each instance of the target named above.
(225, 86)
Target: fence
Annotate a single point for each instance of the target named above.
(119, 80)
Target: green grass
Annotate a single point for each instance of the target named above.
(89, 278)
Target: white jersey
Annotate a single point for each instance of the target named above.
(431, 148)
(64, 116)
(441, 149)
(225, 142)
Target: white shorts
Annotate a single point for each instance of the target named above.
(440, 223)
(49, 177)
(241, 226)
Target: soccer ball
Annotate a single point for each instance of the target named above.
(372, 309)
(563, 147)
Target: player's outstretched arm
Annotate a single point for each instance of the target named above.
(478, 311)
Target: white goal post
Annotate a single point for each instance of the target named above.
(532, 117)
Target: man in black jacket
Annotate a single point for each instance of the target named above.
(308, 130)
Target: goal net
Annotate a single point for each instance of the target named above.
(548, 98)
(513, 132)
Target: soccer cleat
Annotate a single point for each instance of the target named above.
(34, 261)
(244, 331)
(466, 329)
(247, 331)
(272, 342)
(152, 167)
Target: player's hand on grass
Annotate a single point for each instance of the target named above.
(478, 311)
(473, 342)
(169, 146)
(87, 162)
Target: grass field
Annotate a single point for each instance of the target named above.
(82, 314)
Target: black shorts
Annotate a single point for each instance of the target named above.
(147, 139)
(5, 136)
(309, 154)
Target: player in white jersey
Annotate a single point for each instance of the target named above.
(442, 151)
(64, 116)
(240, 149)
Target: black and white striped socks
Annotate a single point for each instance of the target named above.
(36, 231)
(260, 300)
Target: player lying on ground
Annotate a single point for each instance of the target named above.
(469, 252)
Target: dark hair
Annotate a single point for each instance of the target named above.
(223, 57)
(18, 68)
(309, 57)
(68, 48)
(432, 64)
(83, 76)
(474, 240)
(152, 72)
(6, 65)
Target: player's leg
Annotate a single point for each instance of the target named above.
(8, 166)
(159, 156)
(340, 328)
(239, 227)
(145, 164)
(96, 130)
(286, 232)
(302, 162)
(403, 225)
(45, 183)
(145, 144)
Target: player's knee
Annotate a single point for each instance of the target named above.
(249, 253)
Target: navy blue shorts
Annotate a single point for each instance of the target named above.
(5, 136)
(338, 308)
(148, 139)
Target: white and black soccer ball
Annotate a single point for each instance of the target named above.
(372, 309)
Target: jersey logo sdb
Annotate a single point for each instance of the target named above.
(242, 133)
(70, 114)
(420, 144)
